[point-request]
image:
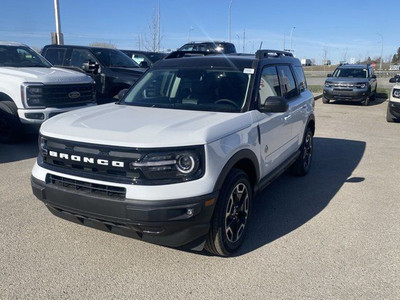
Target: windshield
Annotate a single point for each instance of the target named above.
(114, 58)
(21, 57)
(192, 89)
(347, 72)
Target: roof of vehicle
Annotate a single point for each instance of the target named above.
(80, 46)
(209, 42)
(143, 52)
(5, 43)
(230, 61)
(354, 66)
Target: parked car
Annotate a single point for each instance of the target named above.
(111, 69)
(177, 161)
(144, 59)
(393, 110)
(221, 47)
(32, 90)
(356, 83)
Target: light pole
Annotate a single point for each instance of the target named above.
(59, 37)
(380, 64)
(190, 30)
(291, 34)
(229, 21)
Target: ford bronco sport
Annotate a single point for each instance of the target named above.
(178, 160)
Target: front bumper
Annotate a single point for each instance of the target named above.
(172, 223)
(36, 116)
(354, 95)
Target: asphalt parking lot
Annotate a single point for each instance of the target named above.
(334, 234)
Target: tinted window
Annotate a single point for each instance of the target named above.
(56, 56)
(114, 58)
(191, 88)
(301, 79)
(79, 56)
(269, 84)
(288, 84)
(21, 57)
(350, 72)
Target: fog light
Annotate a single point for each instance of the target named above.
(34, 116)
(190, 212)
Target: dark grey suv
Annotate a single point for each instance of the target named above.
(356, 83)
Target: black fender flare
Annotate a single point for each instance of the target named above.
(245, 156)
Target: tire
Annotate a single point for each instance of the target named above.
(229, 222)
(365, 102)
(302, 164)
(10, 125)
(389, 116)
(325, 101)
(373, 97)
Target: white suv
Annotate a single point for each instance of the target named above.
(393, 110)
(177, 161)
(32, 90)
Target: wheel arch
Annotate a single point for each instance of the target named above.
(311, 123)
(5, 97)
(244, 160)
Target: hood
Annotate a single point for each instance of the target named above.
(46, 75)
(144, 127)
(346, 79)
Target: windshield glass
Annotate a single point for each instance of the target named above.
(192, 89)
(114, 58)
(347, 72)
(21, 57)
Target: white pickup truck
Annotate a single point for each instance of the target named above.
(32, 90)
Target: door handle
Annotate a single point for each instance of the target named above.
(287, 117)
(304, 107)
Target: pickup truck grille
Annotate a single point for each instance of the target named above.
(65, 95)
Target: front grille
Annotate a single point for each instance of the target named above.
(62, 95)
(86, 187)
(92, 158)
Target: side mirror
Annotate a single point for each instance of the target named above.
(121, 94)
(394, 79)
(373, 76)
(90, 67)
(329, 75)
(144, 64)
(274, 104)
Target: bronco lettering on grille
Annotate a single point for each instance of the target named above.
(89, 160)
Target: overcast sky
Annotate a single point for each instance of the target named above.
(345, 29)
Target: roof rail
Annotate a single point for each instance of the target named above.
(272, 53)
(179, 54)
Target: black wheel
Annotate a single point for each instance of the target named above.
(303, 163)
(10, 125)
(365, 102)
(373, 97)
(325, 100)
(229, 223)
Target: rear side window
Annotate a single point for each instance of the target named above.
(269, 84)
(301, 79)
(289, 89)
(56, 56)
(79, 56)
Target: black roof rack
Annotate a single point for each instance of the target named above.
(272, 53)
(179, 54)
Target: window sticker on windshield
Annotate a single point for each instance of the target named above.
(248, 71)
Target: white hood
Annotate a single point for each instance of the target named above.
(144, 127)
(46, 75)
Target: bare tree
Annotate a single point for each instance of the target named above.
(103, 45)
(152, 43)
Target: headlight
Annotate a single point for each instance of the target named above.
(32, 95)
(362, 85)
(396, 93)
(328, 84)
(171, 166)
